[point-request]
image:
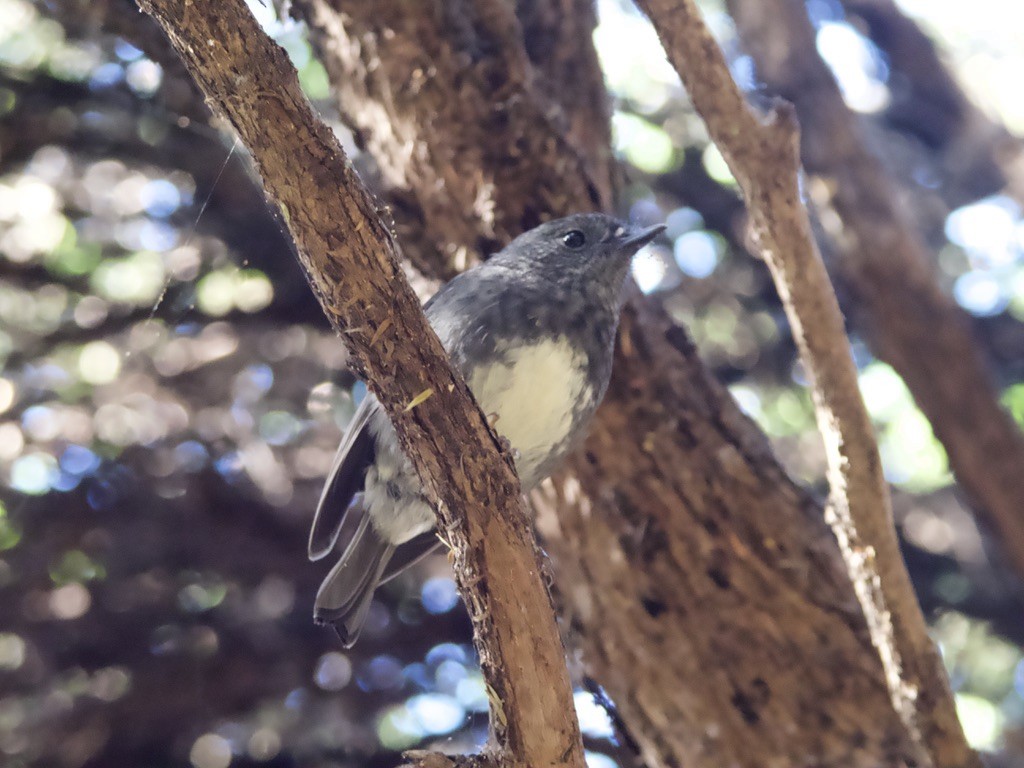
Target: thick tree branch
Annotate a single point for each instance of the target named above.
(352, 261)
(764, 157)
(907, 318)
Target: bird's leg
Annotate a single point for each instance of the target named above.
(492, 419)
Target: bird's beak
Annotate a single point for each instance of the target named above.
(634, 239)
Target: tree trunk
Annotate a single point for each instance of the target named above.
(706, 592)
(708, 596)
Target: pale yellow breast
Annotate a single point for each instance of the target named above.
(533, 395)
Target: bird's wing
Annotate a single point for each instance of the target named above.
(333, 513)
(337, 517)
(408, 554)
(345, 595)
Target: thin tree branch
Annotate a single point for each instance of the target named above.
(352, 262)
(908, 320)
(763, 155)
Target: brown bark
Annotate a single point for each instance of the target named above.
(708, 597)
(907, 319)
(558, 38)
(763, 154)
(464, 65)
(352, 261)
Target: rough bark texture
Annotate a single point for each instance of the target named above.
(451, 54)
(763, 155)
(352, 262)
(907, 318)
(558, 36)
(708, 596)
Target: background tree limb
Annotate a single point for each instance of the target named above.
(907, 318)
(558, 36)
(764, 157)
(978, 156)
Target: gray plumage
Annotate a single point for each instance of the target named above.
(531, 330)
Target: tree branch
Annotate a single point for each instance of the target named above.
(907, 318)
(764, 157)
(352, 262)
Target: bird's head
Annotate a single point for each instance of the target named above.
(589, 250)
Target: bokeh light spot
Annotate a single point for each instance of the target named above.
(333, 671)
(7, 394)
(383, 673)
(439, 595)
(70, 601)
(697, 253)
(980, 718)
(599, 760)
(99, 363)
(34, 474)
(980, 293)
(472, 693)
(12, 651)
(594, 719)
(436, 713)
(644, 144)
(264, 744)
(210, 751)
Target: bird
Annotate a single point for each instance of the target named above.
(532, 331)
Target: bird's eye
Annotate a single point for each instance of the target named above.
(574, 239)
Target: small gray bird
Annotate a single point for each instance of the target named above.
(531, 330)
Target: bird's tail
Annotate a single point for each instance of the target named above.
(345, 595)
